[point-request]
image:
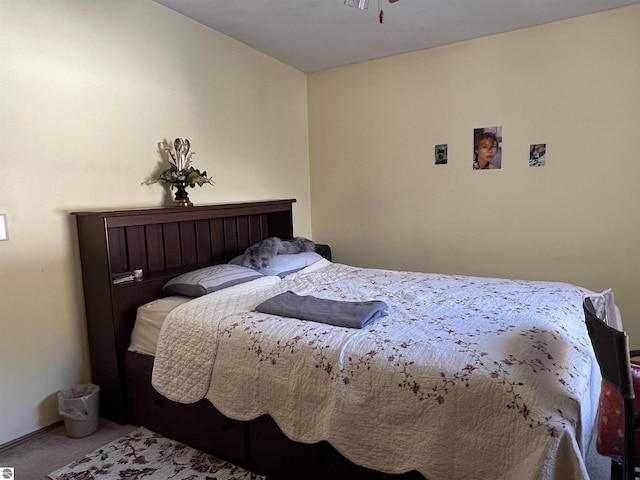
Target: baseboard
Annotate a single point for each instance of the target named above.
(30, 436)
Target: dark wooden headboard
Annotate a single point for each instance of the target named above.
(163, 242)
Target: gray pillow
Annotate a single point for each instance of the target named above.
(285, 264)
(209, 279)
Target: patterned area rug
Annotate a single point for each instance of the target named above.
(146, 455)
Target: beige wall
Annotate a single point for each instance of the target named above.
(380, 200)
(87, 90)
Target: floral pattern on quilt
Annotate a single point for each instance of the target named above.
(465, 378)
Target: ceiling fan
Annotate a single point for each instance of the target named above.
(364, 4)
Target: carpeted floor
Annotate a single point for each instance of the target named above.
(35, 459)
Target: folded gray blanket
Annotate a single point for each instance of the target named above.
(332, 312)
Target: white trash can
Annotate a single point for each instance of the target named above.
(80, 407)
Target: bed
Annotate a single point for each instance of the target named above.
(464, 377)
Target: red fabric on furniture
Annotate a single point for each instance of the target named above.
(610, 421)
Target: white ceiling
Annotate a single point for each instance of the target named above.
(313, 35)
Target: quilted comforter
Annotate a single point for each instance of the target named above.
(466, 377)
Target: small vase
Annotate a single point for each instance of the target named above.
(182, 197)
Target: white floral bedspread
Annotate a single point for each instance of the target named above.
(466, 378)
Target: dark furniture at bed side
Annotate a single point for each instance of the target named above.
(611, 347)
(164, 242)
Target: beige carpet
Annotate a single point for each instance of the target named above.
(35, 459)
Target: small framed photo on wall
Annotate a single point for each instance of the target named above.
(441, 154)
(537, 154)
(487, 148)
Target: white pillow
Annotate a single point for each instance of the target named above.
(209, 279)
(285, 264)
(606, 309)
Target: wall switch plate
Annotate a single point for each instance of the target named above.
(4, 234)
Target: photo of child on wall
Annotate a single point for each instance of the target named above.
(487, 148)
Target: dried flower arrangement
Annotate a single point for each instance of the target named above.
(181, 169)
(181, 173)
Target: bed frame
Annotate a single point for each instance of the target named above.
(165, 242)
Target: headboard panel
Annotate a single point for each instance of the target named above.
(155, 247)
(163, 242)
